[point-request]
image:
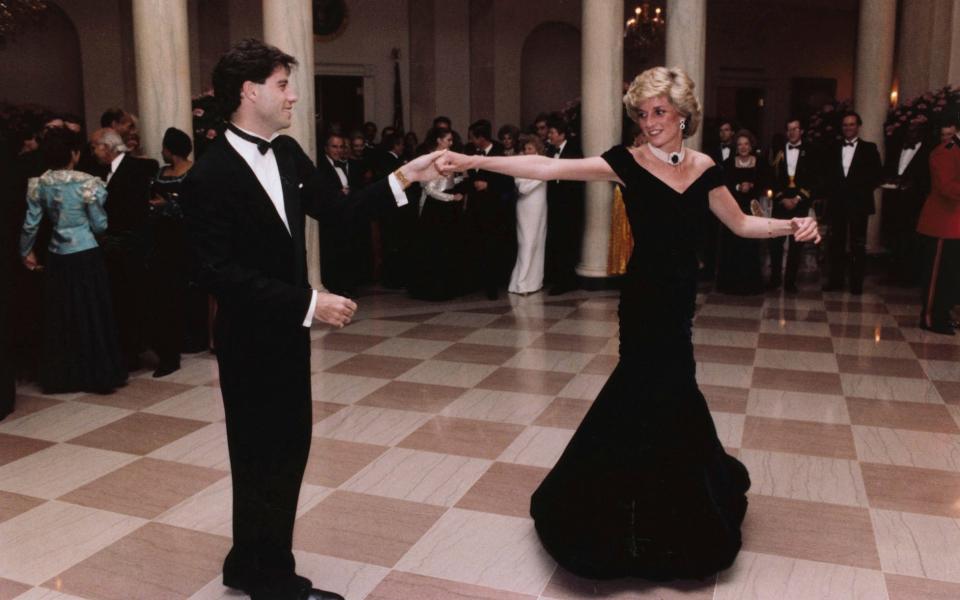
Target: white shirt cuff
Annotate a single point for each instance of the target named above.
(313, 305)
(398, 194)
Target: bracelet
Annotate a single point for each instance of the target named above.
(769, 228)
(402, 178)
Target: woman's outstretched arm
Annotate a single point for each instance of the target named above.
(531, 166)
(803, 229)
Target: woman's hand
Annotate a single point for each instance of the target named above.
(805, 229)
(454, 162)
(746, 186)
(30, 262)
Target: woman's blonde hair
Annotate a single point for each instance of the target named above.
(675, 84)
(531, 139)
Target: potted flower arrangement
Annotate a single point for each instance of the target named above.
(924, 111)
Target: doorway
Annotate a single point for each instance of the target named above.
(339, 104)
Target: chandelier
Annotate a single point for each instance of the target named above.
(15, 15)
(646, 28)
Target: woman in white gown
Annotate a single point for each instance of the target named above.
(527, 276)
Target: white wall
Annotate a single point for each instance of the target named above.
(452, 58)
(374, 27)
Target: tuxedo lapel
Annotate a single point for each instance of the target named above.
(247, 180)
(291, 193)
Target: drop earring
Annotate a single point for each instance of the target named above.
(683, 125)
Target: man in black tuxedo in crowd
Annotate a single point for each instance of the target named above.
(395, 232)
(245, 203)
(851, 171)
(719, 152)
(795, 181)
(126, 242)
(906, 183)
(9, 235)
(338, 267)
(565, 214)
(489, 211)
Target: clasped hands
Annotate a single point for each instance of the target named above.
(805, 229)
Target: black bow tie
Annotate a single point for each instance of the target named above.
(340, 164)
(724, 146)
(793, 146)
(262, 144)
(851, 144)
(910, 146)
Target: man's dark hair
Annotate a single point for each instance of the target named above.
(248, 60)
(177, 142)
(482, 129)
(541, 117)
(111, 116)
(851, 113)
(791, 119)
(56, 147)
(331, 135)
(557, 122)
(729, 122)
(441, 119)
(391, 140)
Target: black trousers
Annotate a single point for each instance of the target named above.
(167, 283)
(794, 250)
(846, 226)
(268, 408)
(565, 216)
(941, 279)
(125, 257)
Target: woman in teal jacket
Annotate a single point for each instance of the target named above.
(80, 345)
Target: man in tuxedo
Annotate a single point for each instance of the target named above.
(906, 183)
(851, 171)
(337, 252)
(939, 227)
(126, 241)
(245, 203)
(795, 180)
(395, 232)
(565, 214)
(719, 152)
(489, 212)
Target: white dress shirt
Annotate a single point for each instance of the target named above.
(847, 155)
(793, 156)
(560, 149)
(725, 152)
(114, 165)
(906, 155)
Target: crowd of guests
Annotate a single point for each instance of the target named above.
(98, 256)
(837, 181)
(95, 250)
(468, 232)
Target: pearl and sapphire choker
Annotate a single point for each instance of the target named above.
(671, 158)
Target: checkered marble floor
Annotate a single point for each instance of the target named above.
(435, 422)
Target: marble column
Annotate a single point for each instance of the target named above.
(162, 51)
(686, 47)
(601, 92)
(873, 79)
(288, 25)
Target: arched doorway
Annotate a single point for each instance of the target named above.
(550, 69)
(41, 65)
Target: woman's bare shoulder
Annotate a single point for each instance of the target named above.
(700, 160)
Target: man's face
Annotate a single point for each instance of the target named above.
(125, 126)
(336, 148)
(356, 147)
(794, 132)
(947, 132)
(555, 137)
(370, 132)
(849, 127)
(726, 133)
(541, 129)
(101, 151)
(273, 100)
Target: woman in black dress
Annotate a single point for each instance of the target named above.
(739, 268)
(645, 488)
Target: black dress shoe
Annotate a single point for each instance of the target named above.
(941, 328)
(306, 594)
(164, 370)
(315, 594)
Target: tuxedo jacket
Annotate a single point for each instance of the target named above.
(128, 195)
(567, 191)
(247, 259)
(807, 180)
(852, 194)
(499, 186)
(716, 152)
(915, 179)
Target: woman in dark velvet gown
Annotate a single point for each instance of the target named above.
(739, 267)
(645, 488)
